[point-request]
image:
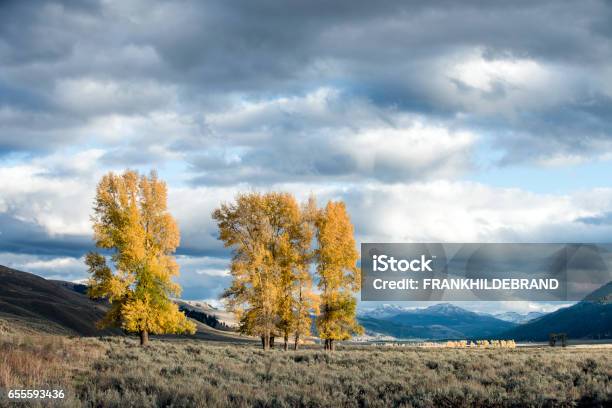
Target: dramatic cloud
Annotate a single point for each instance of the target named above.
(61, 268)
(320, 135)
(395, 107)
(534, 77)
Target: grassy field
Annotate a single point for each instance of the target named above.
(115, 372)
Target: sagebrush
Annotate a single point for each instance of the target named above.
(115, 372)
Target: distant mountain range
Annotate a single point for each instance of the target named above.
(437, 322)
(384, 311)
(588, 319)
(389, 310)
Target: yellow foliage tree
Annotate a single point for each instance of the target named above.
(286, 244)
(270, 242)
(338, 274)
(304, 300)
(131, 219)
(271, 290)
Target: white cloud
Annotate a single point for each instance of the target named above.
(193, 209)
(479, 72)
(212, 272)
(62, 268)
(411, 148)
(327, 135)
(444, 211)
(57, 192)
(506, 85)
(57, 203)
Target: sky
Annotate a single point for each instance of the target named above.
(434, 121)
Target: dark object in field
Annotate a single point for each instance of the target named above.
(554, 337)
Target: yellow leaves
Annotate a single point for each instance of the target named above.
(472, 344)
(270, 242)
(136, 315)
(337, 254)
(338, 273)
(131, 218)
(337, 319)
(146, 315)
(102, 283)
(271, 236)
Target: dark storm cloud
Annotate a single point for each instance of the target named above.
(600, 220)
(17, 236)
(33, 31)
(65, 63)
(582, 128)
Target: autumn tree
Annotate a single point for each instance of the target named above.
(304, 300)
(267, 236)
(297, 301)
(131, 220)
(271, 290)
(338, 275)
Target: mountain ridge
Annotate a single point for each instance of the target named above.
(590, 318)
(436, 322)
(26, 296)
(32, 304)
(519, 318)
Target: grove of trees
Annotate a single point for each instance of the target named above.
(279, 249)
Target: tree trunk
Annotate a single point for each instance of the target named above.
(286, 345)
(144, 338)
(332, 345)
(297, 341)
(265, 340)
(271, 342)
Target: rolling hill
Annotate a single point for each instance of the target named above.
(588, 319)
(31, 300)
(31, 304)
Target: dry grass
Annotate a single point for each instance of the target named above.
(190, 373)
(45, 362)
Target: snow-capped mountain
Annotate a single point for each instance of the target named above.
(515, 317)
(384, 311)
(444, 309)
(441, 321)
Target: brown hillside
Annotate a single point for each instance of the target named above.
(29, 303)
(27, 297)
